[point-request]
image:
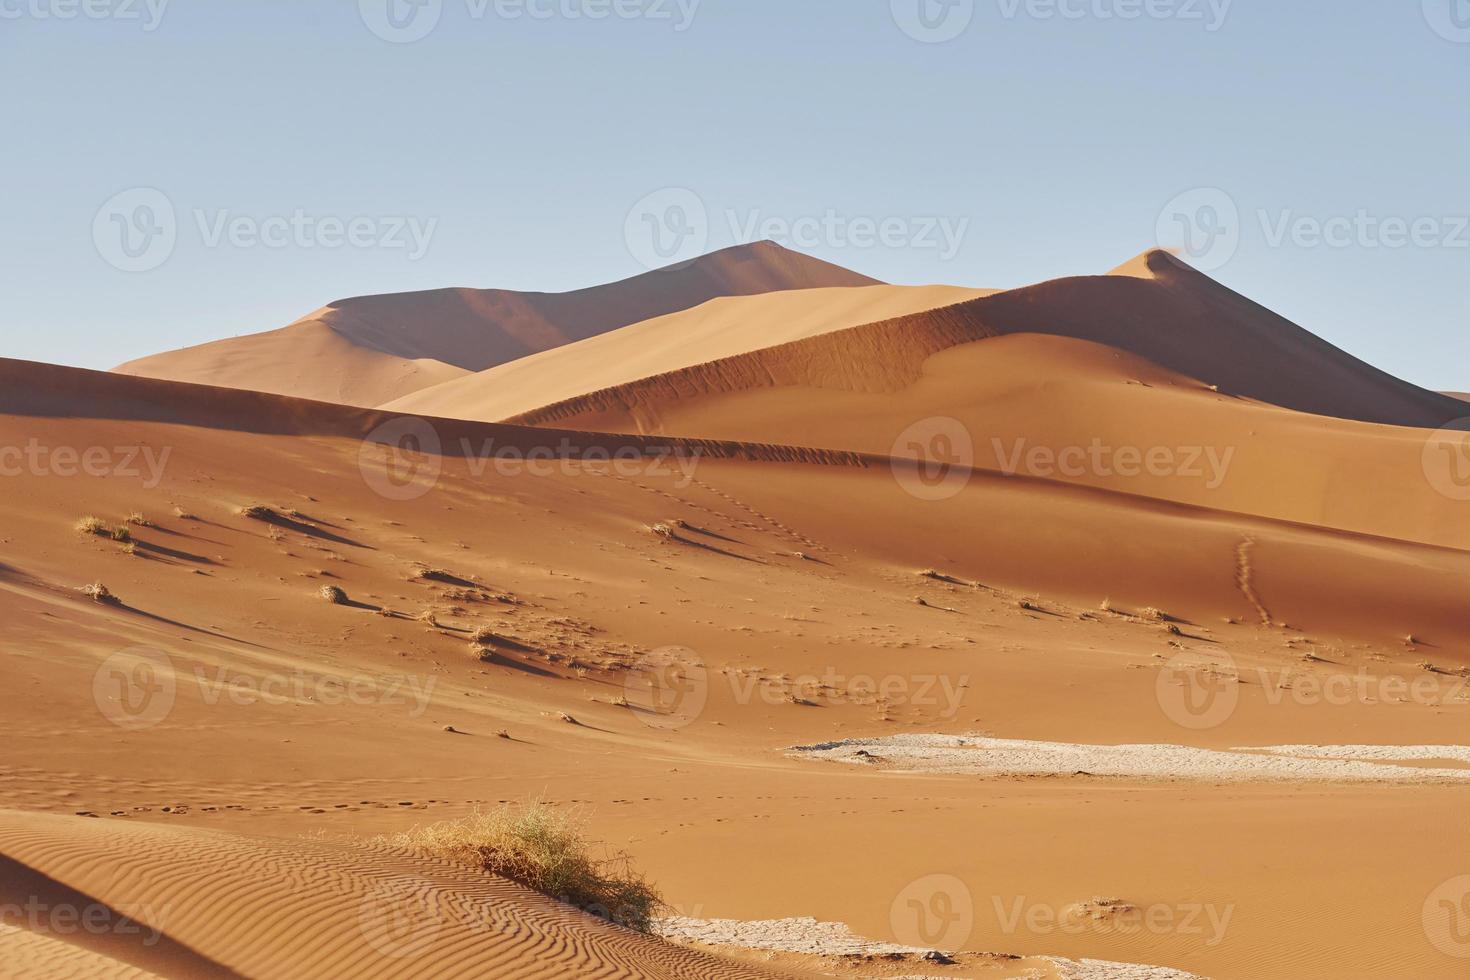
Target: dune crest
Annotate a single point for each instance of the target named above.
(372, 349)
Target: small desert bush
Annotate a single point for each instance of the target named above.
(334, 595)
(546, 850)
(484, 637)
(98, 592)
(93, 525)
(138, 520)
(256, 512)
(121, 533)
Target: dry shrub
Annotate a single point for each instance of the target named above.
(98, 592)
(333, 594)
(93, 525)
(546, 850)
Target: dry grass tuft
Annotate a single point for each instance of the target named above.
(138, 520)
(257, 512)
(546, 850)
(93, 525)
(98, 592)
(333, 594)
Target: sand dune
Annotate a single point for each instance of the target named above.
(292, 650)
(720, 328)
(209, 904)
(1155, 307)
(373, 349)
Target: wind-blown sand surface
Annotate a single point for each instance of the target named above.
(219, 739)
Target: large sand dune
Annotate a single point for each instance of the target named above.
(206, 750)
(373, 349)
(720, 328)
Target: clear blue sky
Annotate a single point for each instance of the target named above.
(1059, 129)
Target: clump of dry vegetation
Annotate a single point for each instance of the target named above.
(183, 514)
(257, 512)
(138, 520)
(98, 592)
(93, 525)
(544, 849)
(334, 594)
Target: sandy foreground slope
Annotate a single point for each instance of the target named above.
(372, 349)
(232, 732)
(721, 328)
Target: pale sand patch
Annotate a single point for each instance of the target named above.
(995, 756)
(806, 935)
